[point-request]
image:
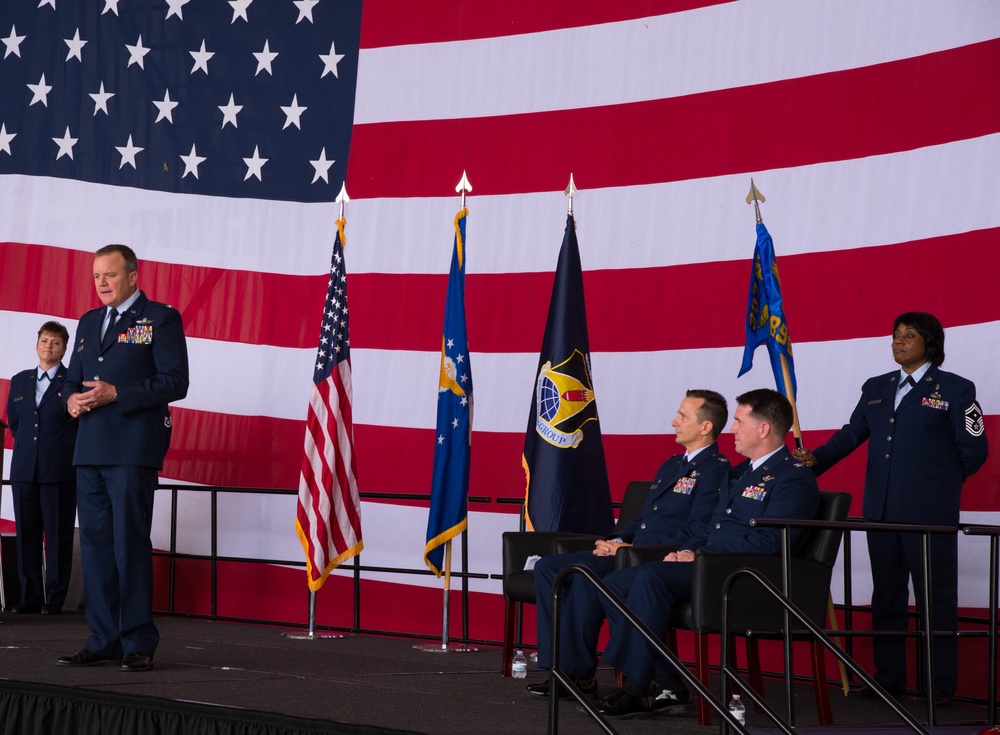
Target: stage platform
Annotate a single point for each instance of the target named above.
(358, 684)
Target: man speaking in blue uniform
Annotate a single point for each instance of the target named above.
(128, 363)
(680, 502)
(925, 436)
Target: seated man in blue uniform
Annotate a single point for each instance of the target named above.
(128, 363)
(771, 483)
(681, 499)
(42, 475)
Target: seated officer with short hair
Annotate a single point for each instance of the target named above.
(680, 501)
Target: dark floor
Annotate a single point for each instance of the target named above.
(363, 680)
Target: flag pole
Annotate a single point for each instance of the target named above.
(462, 187)
(311, 635)
(756, 198)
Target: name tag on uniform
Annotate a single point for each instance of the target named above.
(755, 492)
(685, 485)
(935, 403)
(874, 402)
(142, 335)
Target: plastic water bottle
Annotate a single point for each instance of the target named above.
(737, 709)
(519, 669)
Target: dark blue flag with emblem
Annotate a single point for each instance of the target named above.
(766, 322)
(567, 477)
(453, 443)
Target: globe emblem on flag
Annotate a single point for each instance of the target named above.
(564, 401)
(548, 398)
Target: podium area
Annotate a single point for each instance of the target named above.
(213, 677)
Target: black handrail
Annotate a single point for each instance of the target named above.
(925, 612)
(994, 602)
(789, 608)
(557, 676)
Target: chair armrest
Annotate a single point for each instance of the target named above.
(753, 609)
(572, 543)
(633, 556)
(519, 545)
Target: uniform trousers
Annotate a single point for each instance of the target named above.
(580, 611)
(115, 505)
(649, 591)
(895, 559)
(48, 507)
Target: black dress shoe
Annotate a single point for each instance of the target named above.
(866, 692)
(673, 702)
(541, 689)
(622, 705)
(84, 658)
(51, 609)
(137, 661)
(24, 610)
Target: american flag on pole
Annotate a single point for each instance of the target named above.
(329, 517)
(873, 127)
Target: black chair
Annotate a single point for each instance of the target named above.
(519, 585)
(812, 569)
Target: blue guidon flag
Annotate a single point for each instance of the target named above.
(567, 477)
(765, 322)
(453, 443)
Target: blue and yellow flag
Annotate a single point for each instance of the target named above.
(567, 488)
(453, 447)
(766, 322)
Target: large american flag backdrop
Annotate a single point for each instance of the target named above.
(873, 129)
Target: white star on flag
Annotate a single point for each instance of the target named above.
(254, 165)
(191, 162)
(293, 113)
(111, 5)
(101, 100)
(65, 144)
(240, 9)
(330, 61)
(166, 107)
(75, 46)
(13, 43)
(322, 167)
(176, 8)
(128, 152)
(40, 92)
(305, 10)
(230, 111)
(201, 58)
(137, 53)
(5, 139)
(264, 59)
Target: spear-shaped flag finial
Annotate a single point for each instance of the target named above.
(342, 198)
(570, 192)
(463, 186)
(757, 198)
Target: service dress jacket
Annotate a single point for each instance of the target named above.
(148, 365)
(44, 435)
(680, 501)
(782, 487)
(919, 454)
